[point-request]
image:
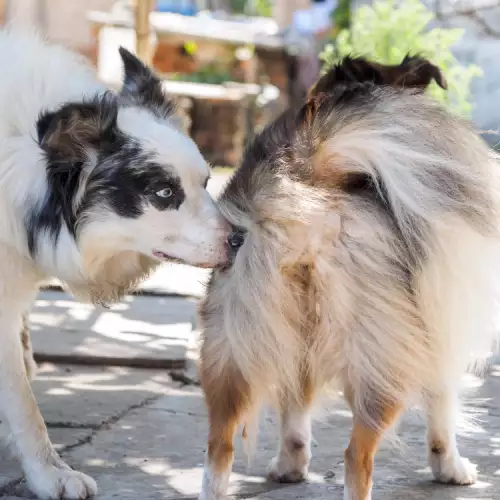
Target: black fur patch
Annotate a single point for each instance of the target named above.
(127, 178)
(265, 151)
(413, 72)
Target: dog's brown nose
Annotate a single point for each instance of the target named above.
(235, 240)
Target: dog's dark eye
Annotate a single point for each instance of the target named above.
(205, 184)
(165, 193)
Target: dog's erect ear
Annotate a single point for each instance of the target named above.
(350, 70)
(413, 72)
(69, 132)
(142, 87)
(417, 72)
(137, 76)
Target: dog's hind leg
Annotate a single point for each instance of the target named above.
(48, 476)
(29, 360)
(228, 399)
(446, 463)
(365, 438)
(292, 462)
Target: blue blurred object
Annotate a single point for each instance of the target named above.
(184, 7)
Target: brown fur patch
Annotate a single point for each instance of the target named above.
(437, 447)
(227, 396)
(359, 456)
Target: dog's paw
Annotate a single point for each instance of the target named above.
(280, 471)
(453, 469)
(59, 481)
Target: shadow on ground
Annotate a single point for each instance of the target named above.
(143, 331)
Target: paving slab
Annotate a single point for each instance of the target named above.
(80, 396)
(139, 331)
(149, 437)
(76, 401)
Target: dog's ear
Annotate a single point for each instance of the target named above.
(69, 132)
(416, 72)
(413, 72)
(142, 87)
(349, 70)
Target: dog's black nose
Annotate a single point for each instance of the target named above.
(235, 240)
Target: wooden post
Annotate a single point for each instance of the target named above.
(142, 30)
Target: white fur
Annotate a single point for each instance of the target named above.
(112, 253)
(446, 464)
(215, 485)
(292, 462)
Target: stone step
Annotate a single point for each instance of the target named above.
(150, 331)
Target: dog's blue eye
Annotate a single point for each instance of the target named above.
(164, 193)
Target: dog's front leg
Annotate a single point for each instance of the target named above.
(48, 476)
(228, 398)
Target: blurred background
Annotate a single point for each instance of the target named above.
(233, 65)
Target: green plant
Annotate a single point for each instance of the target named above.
(386, 31)
(210, 73)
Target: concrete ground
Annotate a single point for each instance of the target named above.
(141, 433)
(142, 436)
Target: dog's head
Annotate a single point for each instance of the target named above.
(413, 72)
(124, 179)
